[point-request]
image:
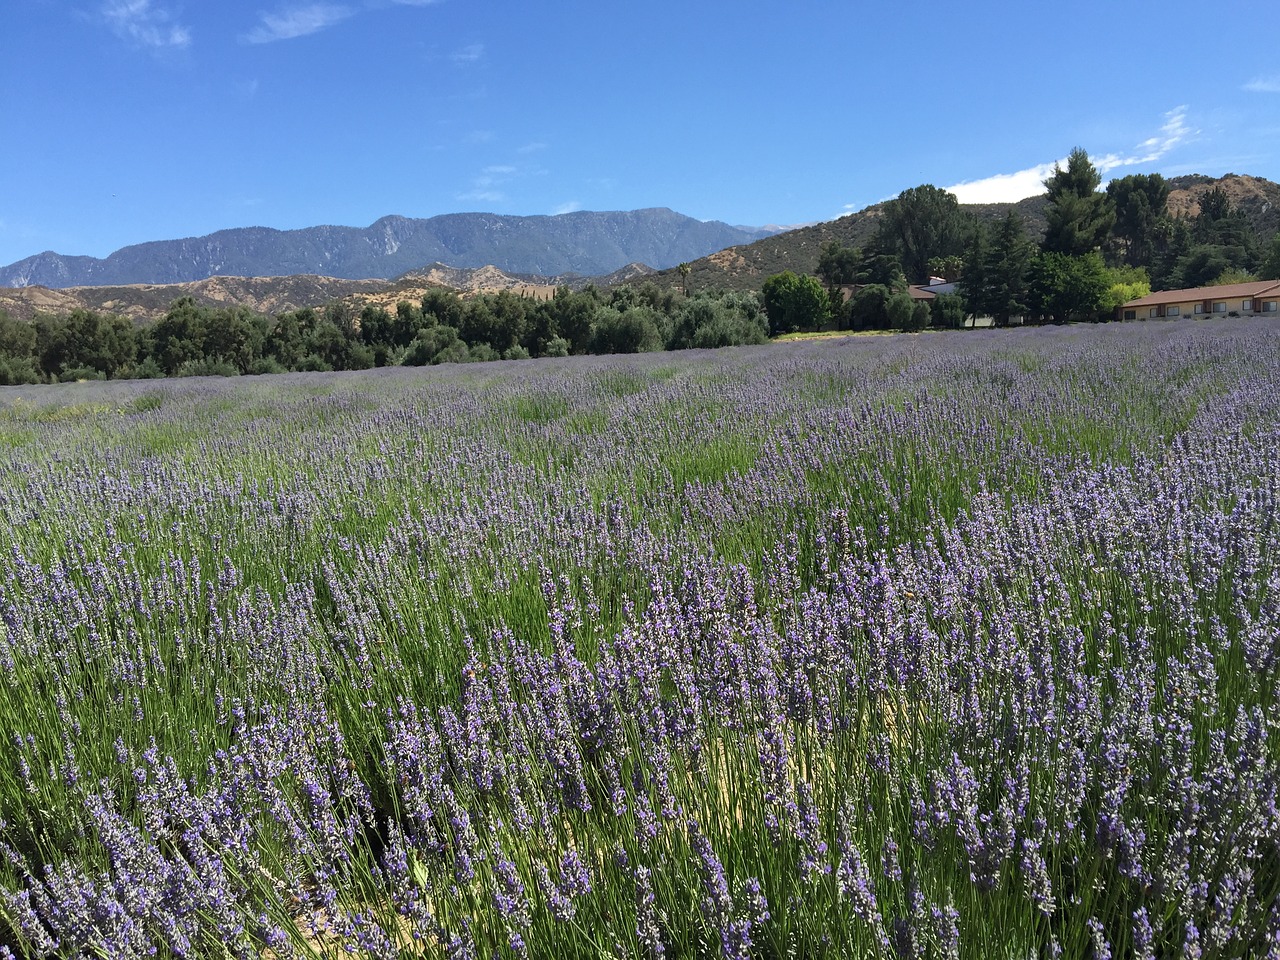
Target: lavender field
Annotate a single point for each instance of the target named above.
(958, 645)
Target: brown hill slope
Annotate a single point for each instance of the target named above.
(272, 295)
(148, 301)
(1257, 198)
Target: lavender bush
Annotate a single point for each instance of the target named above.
(949, 646)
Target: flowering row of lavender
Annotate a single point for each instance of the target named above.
(945, 646)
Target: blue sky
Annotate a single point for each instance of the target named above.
(134, 120)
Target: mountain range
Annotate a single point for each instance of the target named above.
(585, 243)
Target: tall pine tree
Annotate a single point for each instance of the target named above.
(1079, 217)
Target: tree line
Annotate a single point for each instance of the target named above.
(194, 339)
(1100, 250)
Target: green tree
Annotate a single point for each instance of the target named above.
(951, 267)
(287, 336)
(1079, 217)
(1069, 288)
(574, 313)
(1173, 243)
(946, 311)
(1222, 237)
(899, 310)
(974, 283)
(838, 265)
(1124, 284)
(874, 266)
(1202, 265)
(233, 335)
(178, 336)
(920, 224)
(442, 307)
(635, 330)
(438, 343)
(1007, 270)
(710, 320)
(867, 307)
(377, 325)
(1140, 202)
(794, 302)
(17, 351)
(1269, 267)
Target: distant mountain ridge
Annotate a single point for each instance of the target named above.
(584, 242)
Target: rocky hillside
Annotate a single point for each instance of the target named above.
(1257, 198)
(271, 295)
(584, 243)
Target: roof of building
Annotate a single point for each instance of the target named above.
(1228, 291)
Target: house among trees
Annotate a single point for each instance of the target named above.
(1256, 298)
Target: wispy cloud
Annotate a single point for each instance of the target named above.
(1174, 132)
(1264, 84)
(492, 183)
(1011, 187)
(573, 206)
(141, 22)
(297, 21)
(531, 147)
(468, 54)
(488, 196)
(301, 19)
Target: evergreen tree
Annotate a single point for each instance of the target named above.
(1007, 267)
(1079, 217)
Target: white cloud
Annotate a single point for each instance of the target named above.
(141, 22)
(573, 206)
(532, 147)
(489, 196)
(1011, 187)
(1175, 131)
(468, 54)
(1264, 84)
(1005, 187)
(500, 169)
(294, 22)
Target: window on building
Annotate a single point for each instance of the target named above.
(1174, 312)
(1270, 306)
(1131, 314)
(1199, 308)
(1219, 308)
(1153, 312)
(1246, 305)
